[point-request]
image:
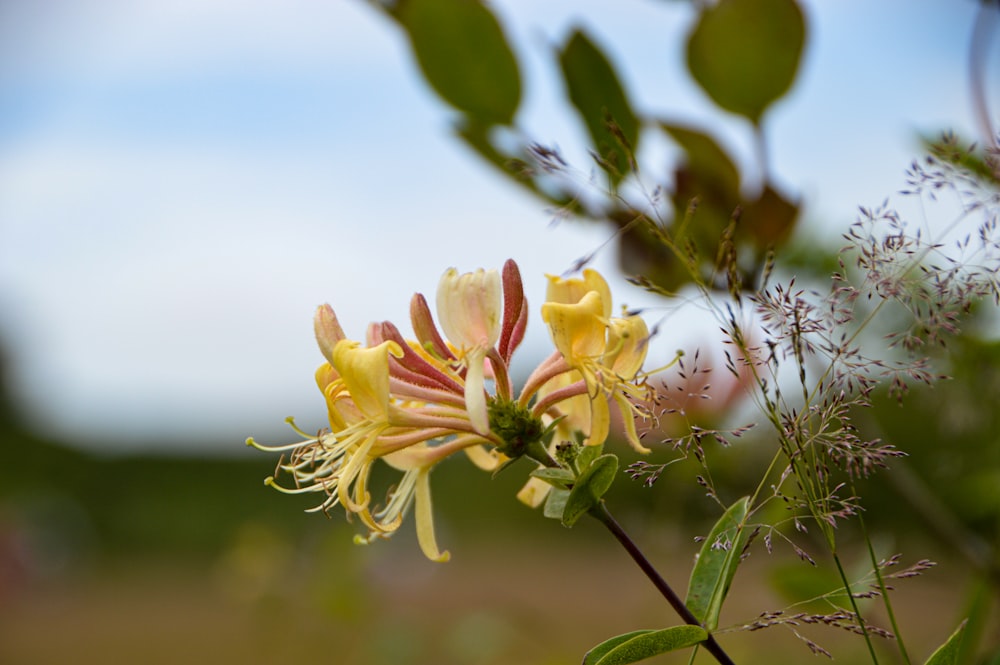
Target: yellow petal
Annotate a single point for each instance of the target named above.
(628, 341)
(578, 330)
(365, 372)
(628, 418)
(600, 419)
(487, 460)
(534, 492)
(475, 392)
(571, 291)
(425, 519)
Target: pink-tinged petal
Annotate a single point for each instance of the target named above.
(571, 291)
(425, 519)
(413, 368)
(515, 307)
(469, 307)
(328, 331)
(425, 330)
(365, 372)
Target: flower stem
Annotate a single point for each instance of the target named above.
(601, 514)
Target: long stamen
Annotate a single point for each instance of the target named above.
(280, 448)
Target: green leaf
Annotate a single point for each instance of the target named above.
(642, 644)
(601, 650)
(464, 55)
(716, 565)
(595, 91)
(586, 457)
(745, 53)
(555, 503)
(947, 653)
(590, 486)
(557, 477)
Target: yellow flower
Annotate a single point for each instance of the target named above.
(607, 352)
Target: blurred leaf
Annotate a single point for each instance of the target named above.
(768, 220)
(745, 53)
(947, 653)
(592, 484)
(464, 55)
(716, 565)
(704, 156)
(596, 92)
(642, 644)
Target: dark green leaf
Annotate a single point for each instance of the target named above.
(716, 565)
(947, 653)
(592, 484)
(464, 55)
(745, 53)
(598, 95)
(642, 644)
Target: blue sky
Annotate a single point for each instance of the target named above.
(182, 182)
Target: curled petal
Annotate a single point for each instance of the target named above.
(365, 372)
(571, 291)
(487, 460)
(578, 330)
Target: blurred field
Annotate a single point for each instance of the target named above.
(167, 560)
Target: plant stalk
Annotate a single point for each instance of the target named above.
(600, 512)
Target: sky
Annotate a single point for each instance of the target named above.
(182, 182)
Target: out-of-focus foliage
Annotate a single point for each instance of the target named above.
(745, 54)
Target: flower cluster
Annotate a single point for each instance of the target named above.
(414, 402)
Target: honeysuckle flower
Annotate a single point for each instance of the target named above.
(412, 403)
(469, 307)
(607, 352)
